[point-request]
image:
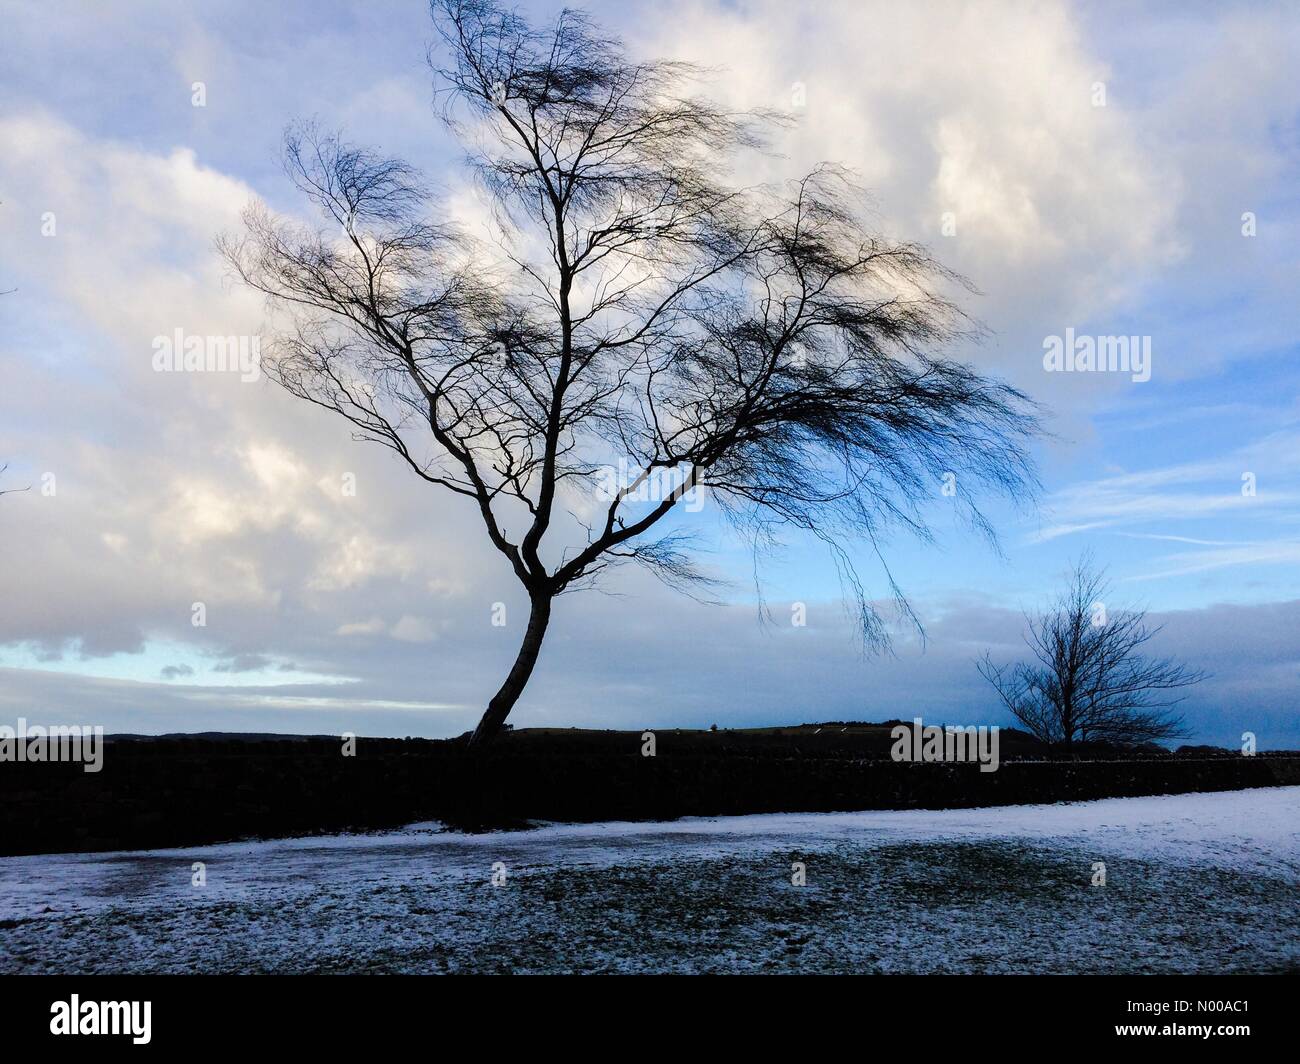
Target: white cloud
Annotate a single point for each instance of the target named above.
(175, 488)
(371, 627)
(984, 110)
(414, 630)
(1255, 480)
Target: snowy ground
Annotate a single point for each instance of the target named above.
(1199, 882)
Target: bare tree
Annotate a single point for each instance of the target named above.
(1088, 680)
(643, 312)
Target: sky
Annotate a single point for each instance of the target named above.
(1089, 167)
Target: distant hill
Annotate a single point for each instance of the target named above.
(191, 789)
(221, 736)
(838, 738)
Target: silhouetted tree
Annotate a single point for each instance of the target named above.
(754, 343)
(1088, 680)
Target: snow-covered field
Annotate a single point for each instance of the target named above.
(1197, 882)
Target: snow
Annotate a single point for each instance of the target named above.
(1003, 888)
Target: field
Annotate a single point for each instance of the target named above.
(1194, 883)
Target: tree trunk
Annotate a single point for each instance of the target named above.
(504, 700)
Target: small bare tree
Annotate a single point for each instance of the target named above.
(1088, 680)
(643, 314)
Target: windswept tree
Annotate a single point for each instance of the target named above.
(1088, 679)
(644, 312)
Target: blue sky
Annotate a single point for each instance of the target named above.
(372, 614)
